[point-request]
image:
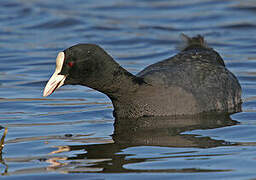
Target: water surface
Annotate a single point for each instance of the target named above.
(72, 134)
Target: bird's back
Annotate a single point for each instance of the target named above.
(199, 71)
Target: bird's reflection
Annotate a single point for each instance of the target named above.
(168, 131)
(146, 131)
(107, 157)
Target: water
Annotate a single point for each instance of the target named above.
(72, 133)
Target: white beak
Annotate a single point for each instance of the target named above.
(56, 80)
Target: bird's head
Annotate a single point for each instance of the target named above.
(82, 64)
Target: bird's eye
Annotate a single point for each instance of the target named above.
(70, 64)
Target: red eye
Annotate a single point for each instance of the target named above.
(70, 64)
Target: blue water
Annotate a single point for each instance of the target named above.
(71, 134)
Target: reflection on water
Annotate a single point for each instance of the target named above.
(1, 150)
(2, 140)
(105, 156)
(168, 131)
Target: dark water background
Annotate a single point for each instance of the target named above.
(69, 135)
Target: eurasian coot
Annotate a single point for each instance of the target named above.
(191, 82)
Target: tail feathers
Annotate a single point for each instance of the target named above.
(192, 42)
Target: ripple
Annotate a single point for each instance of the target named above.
(239, 26)
(56, 24)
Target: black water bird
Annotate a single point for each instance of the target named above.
(192, 82)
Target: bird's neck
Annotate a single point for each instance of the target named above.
(112, 79)
(121, 82)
